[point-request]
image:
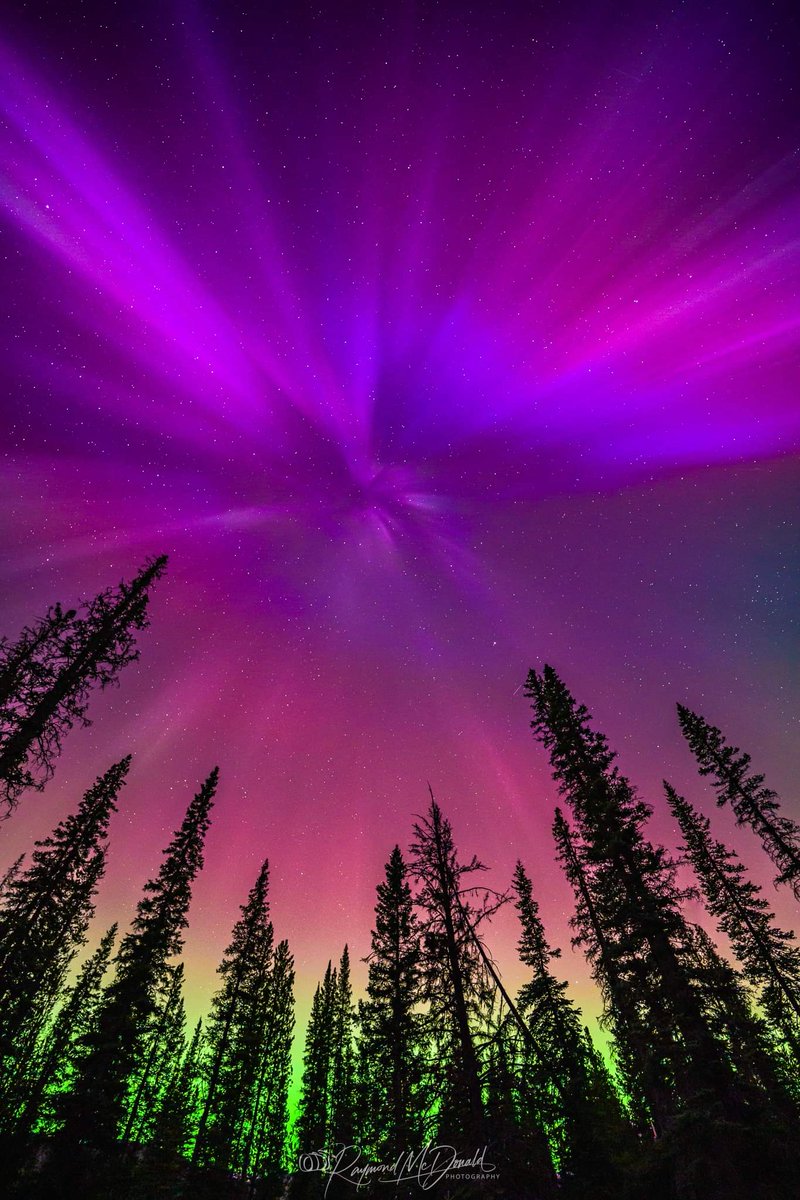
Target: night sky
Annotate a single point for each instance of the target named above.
(431, 343)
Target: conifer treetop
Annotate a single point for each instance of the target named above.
(48, 675)
(753, 803)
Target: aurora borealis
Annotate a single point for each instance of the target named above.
(431, 343)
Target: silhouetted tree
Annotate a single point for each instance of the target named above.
(47, 676)
(769, 955)
(327, 1101)
(456, 984)
(634, 883)
(579, 1109)
(518, 1149)
(313, 1128)
(31, 1105)
(25, 662)
(641, 1065)
(163, 1048)
(343, 1098)
(235, 1034)
(391, 1044)
(45, 916)
(179, 1109)
(8, 878)
(58, 1056)
(95, 1113)
(753, 803)
(162, 1172)
(265, 1144)
(750, 1044)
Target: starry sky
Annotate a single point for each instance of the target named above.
(432, 342)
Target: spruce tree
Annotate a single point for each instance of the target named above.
(235, 1034)
(518, 1148)
(465, 1002)
(163, 1049)
(313, 1123)
(8, 878)
(46, 678)
(163, 1169)
(504, 1103)
(343, 1095)
(635, 881)
(46, 914)
(553, 1021)
(640, 1068)
(58, 1056)
(178, 1110)
(264, 1152)
(769, 955)
(30, 1107)
(327, 1097)
(24, 663)
(750, 1045)
(456, 985)
(391, 1045)
(753, 803)
(96, 1111)
(583, 1119)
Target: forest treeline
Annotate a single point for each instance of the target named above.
(105, 1092)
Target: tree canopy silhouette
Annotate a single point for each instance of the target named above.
(48, 674)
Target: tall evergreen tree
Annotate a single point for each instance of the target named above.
(313, 1127)
(46, 678)
(457, 987)
(264, 1152)
(46, 914)
(391, 1044)
(58, 1055)
(178, 1111)
(753, 803)
(769, 955)
(31, 1104)
(758, 1060)
(326, 1117)
(343, 1096)
(584, 1120)
(163, 1049)
(162, 1171)
(640, 1068)
(465, 1000)
(518, 1148)
(635, 882)
(235, 1034)
(96, 1111)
